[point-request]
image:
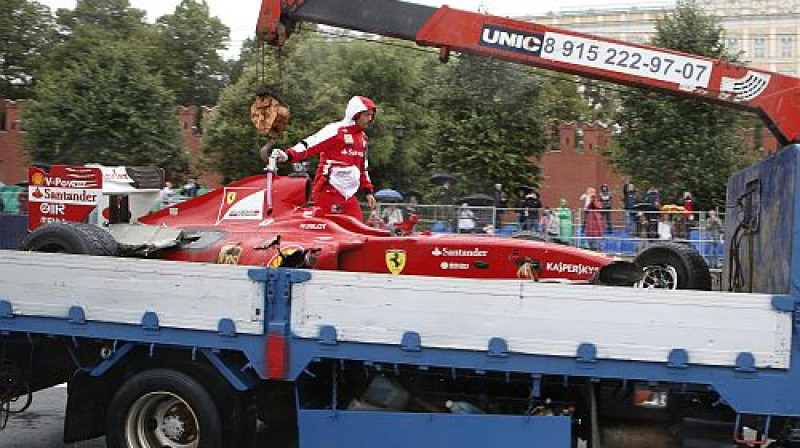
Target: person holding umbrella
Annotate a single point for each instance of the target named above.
(342, 169)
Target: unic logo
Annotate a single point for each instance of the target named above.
(514, 40)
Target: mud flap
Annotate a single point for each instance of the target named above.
(618, 273)
(85, 417)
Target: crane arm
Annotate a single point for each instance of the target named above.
(774, 97)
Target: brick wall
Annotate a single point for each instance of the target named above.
(569, 168)
(13, 161)
(188, 117)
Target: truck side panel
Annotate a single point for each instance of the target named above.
(122, 291)
(544, 319)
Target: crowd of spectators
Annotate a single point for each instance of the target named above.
(597, 219)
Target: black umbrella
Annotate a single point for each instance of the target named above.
(477, 200)
(442, 178)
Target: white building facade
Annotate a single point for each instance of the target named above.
(765, 31)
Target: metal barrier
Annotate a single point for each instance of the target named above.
(617, 232)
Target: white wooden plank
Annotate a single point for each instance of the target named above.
(121, 290)
(545, 319)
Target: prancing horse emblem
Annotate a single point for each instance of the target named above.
(395, 260)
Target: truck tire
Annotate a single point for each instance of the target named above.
(163, 408)
(673, 266)
(170, 408)
(71, 238)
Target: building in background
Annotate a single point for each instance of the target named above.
(765, 31)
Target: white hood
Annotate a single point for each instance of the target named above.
(356, 105)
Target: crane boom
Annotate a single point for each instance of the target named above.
(772, 96)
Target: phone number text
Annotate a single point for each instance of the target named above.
(685, 71)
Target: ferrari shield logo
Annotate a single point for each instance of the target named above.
(395, 260)
(230, 198)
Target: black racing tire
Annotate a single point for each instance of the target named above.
(686, 263)
(71, 238)
(163, 408)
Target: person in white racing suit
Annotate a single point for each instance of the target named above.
(342, 170)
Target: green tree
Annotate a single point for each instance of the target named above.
(106, 107)
(27, 31)
(231, 143)
(490, 123)
(93, 23)
(317, 76)
(114, 19)
(188, 55)
(392, 76)
(681, 144)
(296, 72)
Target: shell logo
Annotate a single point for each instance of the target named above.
(37, 179)
(277, 259)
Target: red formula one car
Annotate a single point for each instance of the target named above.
(234, 225)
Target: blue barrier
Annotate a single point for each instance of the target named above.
(12, 230)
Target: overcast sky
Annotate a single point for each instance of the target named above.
(240, 15)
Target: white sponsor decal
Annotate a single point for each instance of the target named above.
(67, 183)
(745, 88)
(445, 252)
(45, 220)
(116, 174)
(352, 152)
(313, 226)
(562, 267)
(687, 72)
(453, 266)
(63, 195)
(52, 209)
(250, 207)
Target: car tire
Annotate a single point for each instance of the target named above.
(673, 266)
(71, 238)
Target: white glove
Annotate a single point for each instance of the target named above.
(279, 155)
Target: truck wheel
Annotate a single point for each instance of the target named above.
(163, 408)
(673, 266)
(71, 238)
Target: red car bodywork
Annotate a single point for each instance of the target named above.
(233, 227)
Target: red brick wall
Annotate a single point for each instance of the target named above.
(567, 172)
(193, 141)
(13, 161)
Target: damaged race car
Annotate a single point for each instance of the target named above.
(260, 222)
(268, 221)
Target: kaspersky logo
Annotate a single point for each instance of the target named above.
(512, 40)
